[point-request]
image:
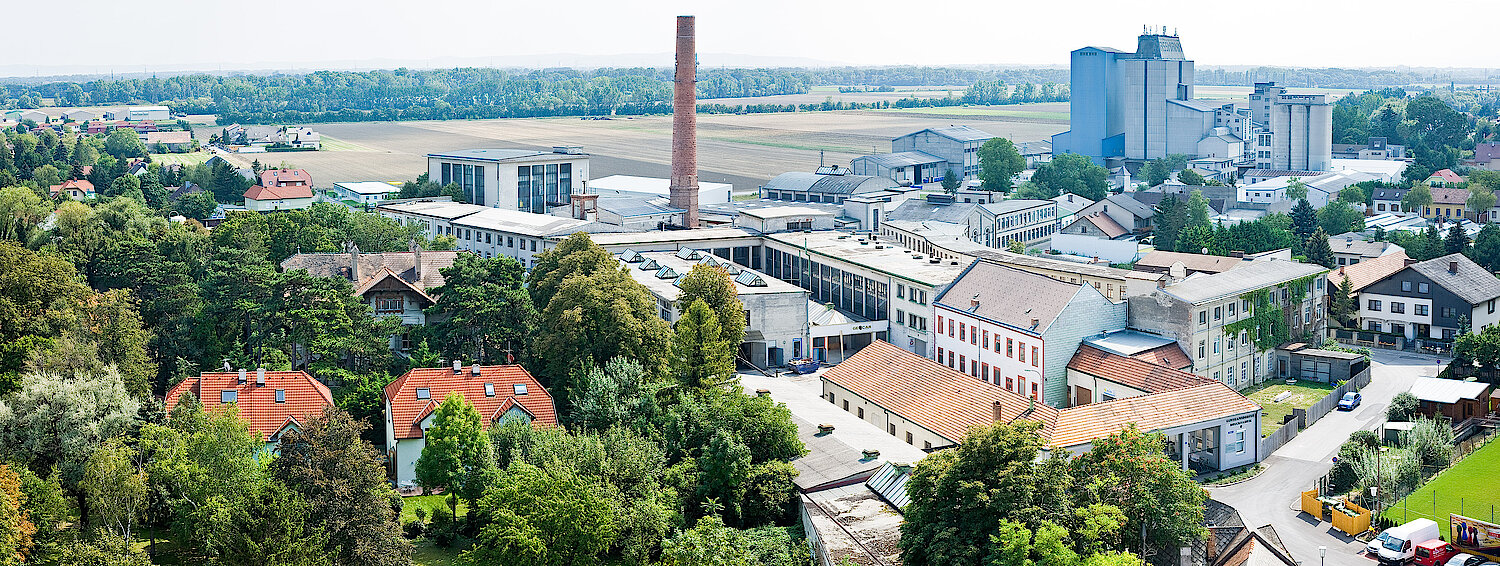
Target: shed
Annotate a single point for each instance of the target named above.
(1457, 400)
(1301, 361)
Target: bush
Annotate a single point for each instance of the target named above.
(1432, 443)
(1364, 438)
(1403, 407)
(443, 530)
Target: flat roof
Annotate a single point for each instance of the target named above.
(368, 187)
(783, 212)
(1127, 342)
(1448, 391)
(525, 223)
(670, 236)
(499, 154)
(448, 210)
(650, 185)
(1258, 275)
(890, 258)
(663, 284)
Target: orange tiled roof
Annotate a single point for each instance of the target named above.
(1444, 195)
(285, 177)
(261, 192)
(305, 397)
(1367, 272)
(929, 394)
(1084, 423)
(407, 411)
(1130, 371)
(80, 184)
(1169, 355)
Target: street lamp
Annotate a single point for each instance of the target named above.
(1322, 555)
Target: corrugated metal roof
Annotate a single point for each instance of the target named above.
(901, 159)
(1447, 391)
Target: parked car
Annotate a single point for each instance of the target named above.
(1373, 549)
(1435, 552)
(1400, 544)
(1349, 401)
(1466, 559)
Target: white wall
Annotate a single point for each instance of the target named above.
(1113, 251)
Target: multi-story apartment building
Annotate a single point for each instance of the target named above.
(1431, 300)
(1017, 329)
(1214, 318)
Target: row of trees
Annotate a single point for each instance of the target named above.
(1434, 132)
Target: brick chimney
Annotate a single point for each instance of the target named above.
(416, 260)
(1453, 266)
(683, 192)
(995, 412)
(354, 274)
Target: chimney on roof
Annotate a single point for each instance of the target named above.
(995, 412)
(1453, 266)
(354, 274)
(974, 302)
(1410, 261)
(458, 366)
(242, 376)
(260, 377)
(683, 192)
(416, 259)
(474, 370)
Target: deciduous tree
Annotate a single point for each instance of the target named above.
(482, 311)
(457, 455)
(543, 517)
(1073, 173)
(999, 163)
(1129, 470)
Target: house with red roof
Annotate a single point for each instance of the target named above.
(76, 189)
(261, 198)
(271, 402)
(1444, 177)
(499, 393)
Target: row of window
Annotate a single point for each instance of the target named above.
(795, 196)
(965, 334)
(470, 178)
(890, 427)
(911, 320)
(915, 295)
(860, 295)
(1028, 217)
(233, 396)
(1400, 308)
(540, 185)
(489, 390)
(981, 370)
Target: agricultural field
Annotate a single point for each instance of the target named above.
(1469, 485)
(744, 150)
(193, 158)
(1042, 111)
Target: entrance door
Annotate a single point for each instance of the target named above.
(1422, 330)
(1082, 396)
(773, 357)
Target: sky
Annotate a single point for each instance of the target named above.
(162, 35)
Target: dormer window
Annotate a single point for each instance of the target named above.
(280, 395)
(520, 388)
(424, 393)
(489, 390)
(229, 396)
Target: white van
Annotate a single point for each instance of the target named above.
(1400, 542)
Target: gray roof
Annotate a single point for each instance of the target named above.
(919, 210)
(1013, 205)
(1258, 275)
(957, 133)
(1134, 206)
(635, 206)
(828, 184)
(1471, 282)
(1009, 296)
(1355, 244)
(1071, 206)
(494, 154)
(531, 224)
(901, 159)
(1127, 342)
(1447, 390)
(370, 264)
(1199, 104)
(1382, 193)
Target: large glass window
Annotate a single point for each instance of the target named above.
(553, 195)
(565, 180)
(523, 188)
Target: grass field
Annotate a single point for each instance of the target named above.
(987, 111)
(1469, 485)
(1304, 394)
(428, 555)
(335, 144)
(181, 158)
(432, 503)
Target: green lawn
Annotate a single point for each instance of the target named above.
(1000, 111)
(433, 504)
(428, 555)
(1470, 484)
(181, 158)
(1304, 394)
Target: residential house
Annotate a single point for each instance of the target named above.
(76, 189)
(1487, 156)
(1017, 329)
(1098, 225)
(392, 283)
(1350, 248)
(1125, 210)
(285, 178)
(1231, 543)
(175, 141)
(1068, 206)
(1457, 400)
(259, 198)
(1387, 199)
(1209, 427)
(1448, 204)
(1365, 273)
(187, 188)
(499, 393)
(1444, 178)
(1201, 313)
(1096, 376)
(271, 402)
(1431, 300)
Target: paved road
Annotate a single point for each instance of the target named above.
(1272, 496)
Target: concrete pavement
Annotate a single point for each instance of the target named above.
(1272, 496)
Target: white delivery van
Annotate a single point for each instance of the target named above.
(1401, 542)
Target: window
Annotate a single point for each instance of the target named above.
(861, 412)
(1372, 305)
(891, 428)
(962, 362)
(1200, 348)
(229, 396)
(1009, 348)
(1492, 306)
(1218, 313)
(1421, 310)
(974, 336)
(1231, 308)
(830, 397)
(986, 344)
(1202, 317)
(963, 332)
(1010, 384)
(1398, 329)
(1035, 359)
(1022, 357)
(280, 395)
(926, 445)
(974, 368)
(1245, 305)
(900, 317)
(1398, 308)
(846, 404)
(950, 359)
(424, 393)
(1423, 288)
(1033, 391)
(489, 390)
(389, 304)
(985, 371)
(510, 241)
(1447, 312)
(1406, 285)
(1373, 326)
(940, 355)
(950, 328)
(900, 291)
(519, 389)
(940, 324)
(1216, 345)
(908, 437)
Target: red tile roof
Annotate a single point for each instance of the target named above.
(407, 411)
(1158, 411)
(1367, 272)
(260, 192)
(1447, 176)
(1105, 224)
(1130, 371)
(285, 177)
(305, 397)
(1443, 195)
(930, 394)
(81, 185)
(1169, 355)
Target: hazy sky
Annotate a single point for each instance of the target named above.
(175, 34)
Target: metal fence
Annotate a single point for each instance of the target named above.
(1372, 339)
(1317, 411)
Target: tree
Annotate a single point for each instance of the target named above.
(1341, 305)
(115, 488)
(53, 421)
(124, 143)
(46, 176)
(951, 180)
(1073, 173)
(713, 285)
(1417, 199)
(1190, 177)
(710, 543)
(700, 360)
(1129, 470)
(457, 454)
(482, 311)
(1403, 407)
(596, 316)
(126, 185)
(1304, 222)
(321, 317)
(104, 550)
(1031, 190)
(45, 504)
(16, 527)
(343, 482)
(198, 206)
(1486, 250)
(1318, 250)
(1431, 440)
(1170, 220)
(543, 517)
(1457, 241)
(208, 468)
(1432, 242)
(616, 394)
(21, 211)
(1198, 211)
(999, 163)
(575, 255)
(1296, 189)
(1352, 194)
(1338, 217)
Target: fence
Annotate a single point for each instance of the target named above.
(1372, 339)
(1289, 430)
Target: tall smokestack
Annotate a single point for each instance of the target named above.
(684, 190)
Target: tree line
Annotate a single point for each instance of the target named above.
(1438, 129)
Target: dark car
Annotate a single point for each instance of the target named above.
(1350, 401)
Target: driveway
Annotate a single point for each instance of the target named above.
(1272, 497)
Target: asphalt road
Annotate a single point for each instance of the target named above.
(1273, 496)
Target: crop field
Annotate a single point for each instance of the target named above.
(1048, 111)
(744, 150)
(193, 158)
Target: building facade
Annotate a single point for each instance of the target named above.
(1302, 132)
(957, 146)
(1431, 300)
(513, 179)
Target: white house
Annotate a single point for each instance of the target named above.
(365, 192)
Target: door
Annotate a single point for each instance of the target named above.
(773, 357)
(1082, 396)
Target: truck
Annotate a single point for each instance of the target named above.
(1401, 542)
